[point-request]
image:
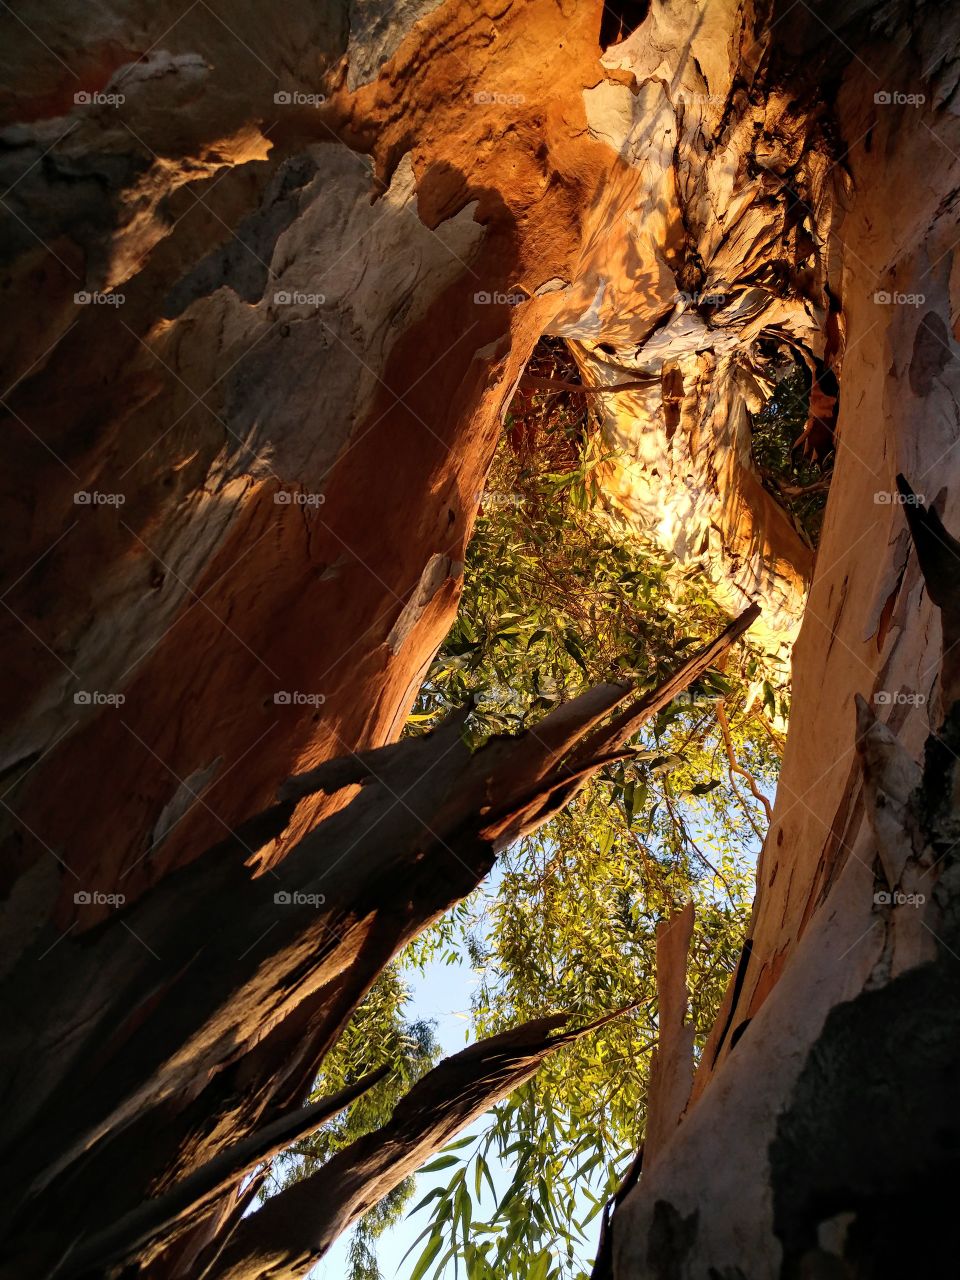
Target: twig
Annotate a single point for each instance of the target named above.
(798, 490)
(776, 738)
(681, 826)
(737, 768)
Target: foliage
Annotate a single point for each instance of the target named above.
(571, 925)
(797, 480)
(556, 597)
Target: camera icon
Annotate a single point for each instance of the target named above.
(482, 298)
(882, 898)
(82, 698)
(282, 898)
(282, 498)
(82, 898)
(82, 98)
(282, 98)
(882, 698)
(82, 298)
(882, 298)
(83, 498)
(281, 298)
(282, 699)
(882, 98)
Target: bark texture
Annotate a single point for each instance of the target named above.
(225, 962)
(297, 1227)
(272, 278)
(821, 1103)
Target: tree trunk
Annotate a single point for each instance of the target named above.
(221, 958)
(259, 353)
(823, 1103)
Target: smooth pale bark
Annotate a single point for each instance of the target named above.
(838, 1107)
(823, 1103)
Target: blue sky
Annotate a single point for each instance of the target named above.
(443, 996)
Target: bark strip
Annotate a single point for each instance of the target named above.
(294, 1229)
(171, 1213)
(225, 959)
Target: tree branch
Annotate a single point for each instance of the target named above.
(738, 768)
(293, 1230)
(174, 1211)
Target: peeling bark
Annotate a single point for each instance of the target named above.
(727, 183)
(422, 832)
(296, 1228)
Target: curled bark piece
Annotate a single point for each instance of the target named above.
(556, 384)
(671, 1071)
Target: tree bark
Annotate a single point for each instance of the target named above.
(422, 832)
(294, 1230)
(288, 487)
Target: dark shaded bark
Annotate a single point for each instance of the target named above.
(183, 1203)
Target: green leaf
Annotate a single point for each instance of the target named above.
(470, 1138)
(443, 1162)
(434, 1245)
(431, 1195)
(540, 1267)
